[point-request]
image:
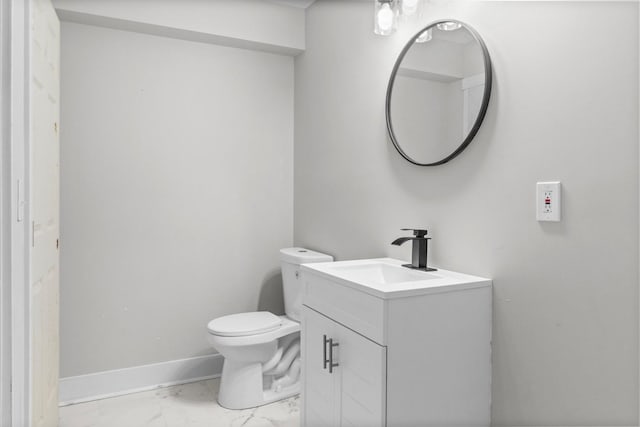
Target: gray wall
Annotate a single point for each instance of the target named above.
(564, 107)
(177, 168)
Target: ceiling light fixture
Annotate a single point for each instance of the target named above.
(449, 26)
(387, 12)
(425, 36)
(409, 7)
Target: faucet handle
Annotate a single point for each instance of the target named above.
(416, 232)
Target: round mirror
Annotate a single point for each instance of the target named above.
(438, 93)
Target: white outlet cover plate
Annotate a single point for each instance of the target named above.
(548, 201)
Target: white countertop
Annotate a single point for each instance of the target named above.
(386, 277)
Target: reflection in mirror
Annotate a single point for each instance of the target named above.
(438, 93)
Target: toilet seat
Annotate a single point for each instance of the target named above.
(244, 324)
(288, 326)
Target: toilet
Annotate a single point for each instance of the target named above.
(262, 350)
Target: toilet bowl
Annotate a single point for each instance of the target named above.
(248, 342)
(262, 350)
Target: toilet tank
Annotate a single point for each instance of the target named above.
(290, 261)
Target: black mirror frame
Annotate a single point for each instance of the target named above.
(485, 97)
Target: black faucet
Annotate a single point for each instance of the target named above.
(419, 252)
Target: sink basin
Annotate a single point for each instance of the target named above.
(386, 277)
(382, 273)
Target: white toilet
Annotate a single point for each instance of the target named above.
(261, 350)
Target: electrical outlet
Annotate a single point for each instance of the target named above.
(548, 201)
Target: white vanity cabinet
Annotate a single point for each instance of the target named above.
(341, 387)
(408, 348)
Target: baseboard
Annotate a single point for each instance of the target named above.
(101, 385)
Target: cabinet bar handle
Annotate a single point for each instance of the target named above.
(331, 364)
(325, 341)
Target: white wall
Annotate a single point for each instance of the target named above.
(564, 106)
(254, 24)
(177, 192)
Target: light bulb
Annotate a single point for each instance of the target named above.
(409, 7)
(385, 17)
(425, 36)
(449, 26)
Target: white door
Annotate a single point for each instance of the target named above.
(472, 95)
(5, 218)
(44, 89)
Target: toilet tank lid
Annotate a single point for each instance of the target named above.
(303, 256)
(243, 324)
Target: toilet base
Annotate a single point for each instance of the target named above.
(241, 387)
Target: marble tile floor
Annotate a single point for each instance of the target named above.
(187, 405)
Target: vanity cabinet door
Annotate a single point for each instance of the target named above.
(352, 393)
(363, 380)
(320, 387)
